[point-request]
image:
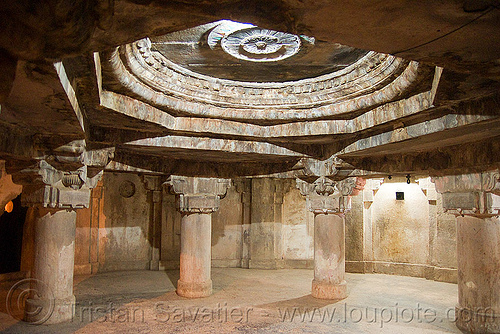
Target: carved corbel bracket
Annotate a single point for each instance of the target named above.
(154, 184)
(97, 160)
(325, 196)
(475, 194)
(49, 187)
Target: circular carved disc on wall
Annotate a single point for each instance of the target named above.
(127, 189)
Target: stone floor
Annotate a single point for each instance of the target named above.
(250, 301)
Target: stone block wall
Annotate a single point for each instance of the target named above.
(410, 236)
(298, 231)
(114, 233)
(227, 231)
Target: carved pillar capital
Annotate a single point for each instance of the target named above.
(198, 195)
(49, 187)
(475, 194)
(330, 197)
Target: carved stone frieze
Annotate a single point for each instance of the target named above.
(328, 88)
(491, 182)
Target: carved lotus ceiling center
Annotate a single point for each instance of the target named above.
(243, 52)
(260, 45)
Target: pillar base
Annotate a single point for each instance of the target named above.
(194, 289)
(479, 321)
(49, 311)
(326, 290)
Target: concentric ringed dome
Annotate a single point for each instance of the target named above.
(369, 81)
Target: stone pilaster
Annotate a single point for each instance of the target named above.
(329, 200)
(198, 199)
(154, 186)
(475, 200)
(244, 187)
(266, 240)
(53, 196)
(435, 269)
(368, 197)
(96, 225)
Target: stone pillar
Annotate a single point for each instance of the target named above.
(195, 262)
(475, 201)
(53, 196)
(329, 200)
(198, 199)
(329, 256)
(53, 267)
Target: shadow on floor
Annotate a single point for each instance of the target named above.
(307, 301)
(173, 276)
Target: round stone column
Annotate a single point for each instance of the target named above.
(51, 300)
(53, 196)
(198, 199)
(329, 257)
(478, 257)
(195, 259)
(475, 200)
(329, 200)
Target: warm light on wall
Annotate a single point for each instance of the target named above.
(9, 207)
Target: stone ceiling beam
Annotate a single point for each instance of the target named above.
(445, 131)
(470, 157)
(126, 161)
(214, 145)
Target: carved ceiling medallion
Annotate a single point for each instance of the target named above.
(260, 45)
